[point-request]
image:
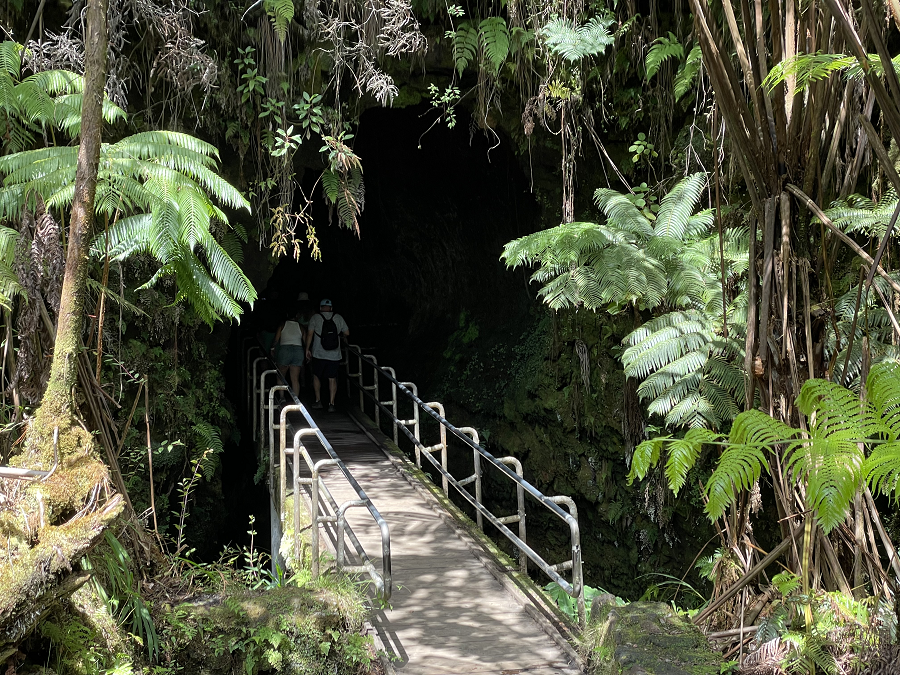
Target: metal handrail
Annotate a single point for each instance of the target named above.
(257, 387)
(469, 437)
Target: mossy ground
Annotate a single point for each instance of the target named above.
(646, 638)
(229, 619)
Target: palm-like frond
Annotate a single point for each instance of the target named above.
(163, 184)
(691, 376)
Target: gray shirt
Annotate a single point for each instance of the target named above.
(315, 323)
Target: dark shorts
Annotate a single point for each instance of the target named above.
(290, 355)
(325, 369)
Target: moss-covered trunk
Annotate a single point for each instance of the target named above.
(56, 404)
(53, 522)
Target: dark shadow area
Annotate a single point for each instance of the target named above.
(438, 210)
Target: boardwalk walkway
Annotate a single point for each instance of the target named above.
(448, 613)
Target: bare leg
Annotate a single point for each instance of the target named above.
(295, 379)
(316, 387)
(283, 370)
(332, 388)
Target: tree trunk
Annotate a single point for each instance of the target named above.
(57, 401)
(36, 575)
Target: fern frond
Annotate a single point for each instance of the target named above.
(646, 456)
(683, 454)
(662, 49)
(465, 46)
(678, 206)
(494, 35)
(687, 73)
(574, 43)
(281, 12)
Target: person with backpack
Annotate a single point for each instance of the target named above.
(323, 346)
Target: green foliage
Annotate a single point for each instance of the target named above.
(691, 372)
(491, 38)
(9, 282)
(829, 459)
(643, 150)
(810, 68)
(465, 45)
(281, 12)
(47, 100)
(494, 36)
(662, 49)
(687, 72)
(168, 181)
(840, 624)
(569, 605)
(572, 42)
(122, 593)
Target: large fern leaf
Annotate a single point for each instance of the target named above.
(574, 43)
(494, 36)
(662, 49)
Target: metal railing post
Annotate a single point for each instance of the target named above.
(577, 569)
(262, 404)
(442, 446)
(314, 516)
(272, 425)
(392, 402)
(476, 477)
(358, 374)
(520, 509)
(253, 392)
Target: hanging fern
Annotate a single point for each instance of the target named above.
(662, 49)
(574, 43)
(494, 36)
(687, 73)
(281, 13)
(465, 46)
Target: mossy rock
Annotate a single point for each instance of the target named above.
(314, 629)
(646, 638)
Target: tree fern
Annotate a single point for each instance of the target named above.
(662, 49)
(163, 185)
(690, 374)
(494, 36)
(573, 42)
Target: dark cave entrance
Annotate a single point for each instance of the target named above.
(438, 210)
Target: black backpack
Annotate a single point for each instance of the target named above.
(329, 338)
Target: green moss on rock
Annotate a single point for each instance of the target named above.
(646, 638)
(314, 630)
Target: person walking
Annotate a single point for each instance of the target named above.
(288, 348)
(323, 346)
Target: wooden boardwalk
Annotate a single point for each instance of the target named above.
(448, 613)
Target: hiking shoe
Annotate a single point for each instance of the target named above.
(331, 408)
(317, 405)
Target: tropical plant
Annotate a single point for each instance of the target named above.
(669, 265)
(164, 184)
(847, 445)
(573, 42)
(663, 49)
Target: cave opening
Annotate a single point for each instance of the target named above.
(439, 206)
